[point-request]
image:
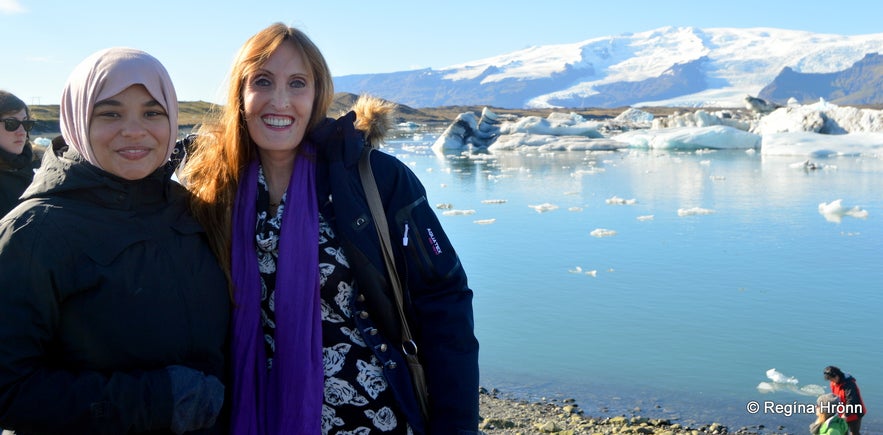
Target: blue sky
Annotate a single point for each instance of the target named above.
(42, 40)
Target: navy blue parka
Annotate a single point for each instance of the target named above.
(437, 297)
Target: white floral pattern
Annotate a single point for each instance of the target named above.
(325, 270)
(356, 431)
(340, 392)
(384, 419)
(353, 335)
(357, 397)
(329, 419)
(371, 377)
(329, 315)
(333, 358)
(343, 298)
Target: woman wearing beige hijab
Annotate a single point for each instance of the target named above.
(113, 309)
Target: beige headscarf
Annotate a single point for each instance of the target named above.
(104, 74)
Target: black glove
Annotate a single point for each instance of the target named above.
(196, 399)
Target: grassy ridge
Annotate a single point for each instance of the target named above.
(191, 113)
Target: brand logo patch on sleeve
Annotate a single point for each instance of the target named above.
(436, 249)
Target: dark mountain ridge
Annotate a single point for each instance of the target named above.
(860, 84)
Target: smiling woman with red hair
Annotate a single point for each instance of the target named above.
(277, 185)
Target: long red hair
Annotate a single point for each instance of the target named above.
(223, 147)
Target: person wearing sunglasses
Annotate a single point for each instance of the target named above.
(114, 310)
(17, 159)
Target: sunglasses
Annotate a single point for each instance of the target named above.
(11, 124)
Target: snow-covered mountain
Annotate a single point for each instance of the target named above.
(669, 66)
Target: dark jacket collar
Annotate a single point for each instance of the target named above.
(9, 161)
(65, 172)
(338, 140)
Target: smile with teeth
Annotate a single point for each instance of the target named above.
(133, 153)
(277, 121)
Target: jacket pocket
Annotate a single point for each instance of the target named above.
(425, 243)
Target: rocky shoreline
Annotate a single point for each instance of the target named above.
(501, 415)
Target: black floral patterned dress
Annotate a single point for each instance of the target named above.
(358, 399)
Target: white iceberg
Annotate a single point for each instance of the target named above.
(781, 382)
(834, 211)
(602, 232)
(816, 130)
(714, 137)
(542, 208)
(694, 211)
(809, 144)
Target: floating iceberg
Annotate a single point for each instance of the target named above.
(808, 144)
(781, 382)
(542, 208)
(816, 130)
(834, 211)
(467, 129)
(694, 211)
(714, 137)
(602, 232)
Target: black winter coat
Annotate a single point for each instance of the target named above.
(16, 173)
(439, 300)
(103, 283)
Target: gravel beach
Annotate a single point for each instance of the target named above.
(507, 416)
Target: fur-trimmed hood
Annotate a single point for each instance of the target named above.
(344, 138)
(373, 118)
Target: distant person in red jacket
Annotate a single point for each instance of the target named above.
(844, 387)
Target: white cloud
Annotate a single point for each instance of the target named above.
(11, 7)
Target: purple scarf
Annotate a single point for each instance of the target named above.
(288, 398)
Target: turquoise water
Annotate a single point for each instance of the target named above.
(678, 316)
